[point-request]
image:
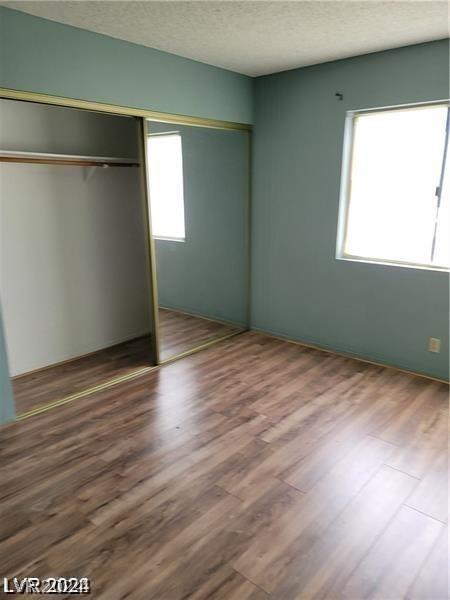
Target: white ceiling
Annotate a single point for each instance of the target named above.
(255, 37)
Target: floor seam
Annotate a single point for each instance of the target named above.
(426, 514)
(252, 582)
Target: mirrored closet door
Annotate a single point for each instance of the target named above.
(198, 185)
(74, 264)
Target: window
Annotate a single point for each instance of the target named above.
(395, 193)
(165, 176)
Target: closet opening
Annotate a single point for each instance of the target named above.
(75, 270)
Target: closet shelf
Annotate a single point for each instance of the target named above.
(66, 159)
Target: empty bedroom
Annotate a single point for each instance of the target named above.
(224, 299)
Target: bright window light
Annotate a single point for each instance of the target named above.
(397, 191)
(166, 186)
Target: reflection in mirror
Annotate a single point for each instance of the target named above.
(198, 182)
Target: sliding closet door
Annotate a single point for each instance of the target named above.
(74, 263)
(198, 182)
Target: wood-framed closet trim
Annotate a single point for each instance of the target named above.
(144, 115)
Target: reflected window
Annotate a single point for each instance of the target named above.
(397, 190)
(165, 176)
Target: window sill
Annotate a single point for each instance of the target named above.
(168, 239)
(386, 263)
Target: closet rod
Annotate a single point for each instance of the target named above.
(65, 159)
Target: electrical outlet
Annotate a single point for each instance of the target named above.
(434, 344)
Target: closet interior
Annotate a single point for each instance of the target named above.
(124, 243)
(75, 289)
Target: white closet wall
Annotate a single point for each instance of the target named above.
(73, 272)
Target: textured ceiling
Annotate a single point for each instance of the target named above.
(256, 37)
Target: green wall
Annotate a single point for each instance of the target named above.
(207, 274)
(6, 399)
(39, 55)
(299, 289)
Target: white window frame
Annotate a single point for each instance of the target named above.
(344, 196)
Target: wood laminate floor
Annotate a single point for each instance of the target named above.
(47, 385)
(178, 332)
(255, 469)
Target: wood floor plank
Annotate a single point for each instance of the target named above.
(266, 561)
(411, 418)
(431, 495)
(432, 581)
(227, 584)
(255, 469)
(416, 456)
(179, 579)
(389, 569)
(323, 571)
